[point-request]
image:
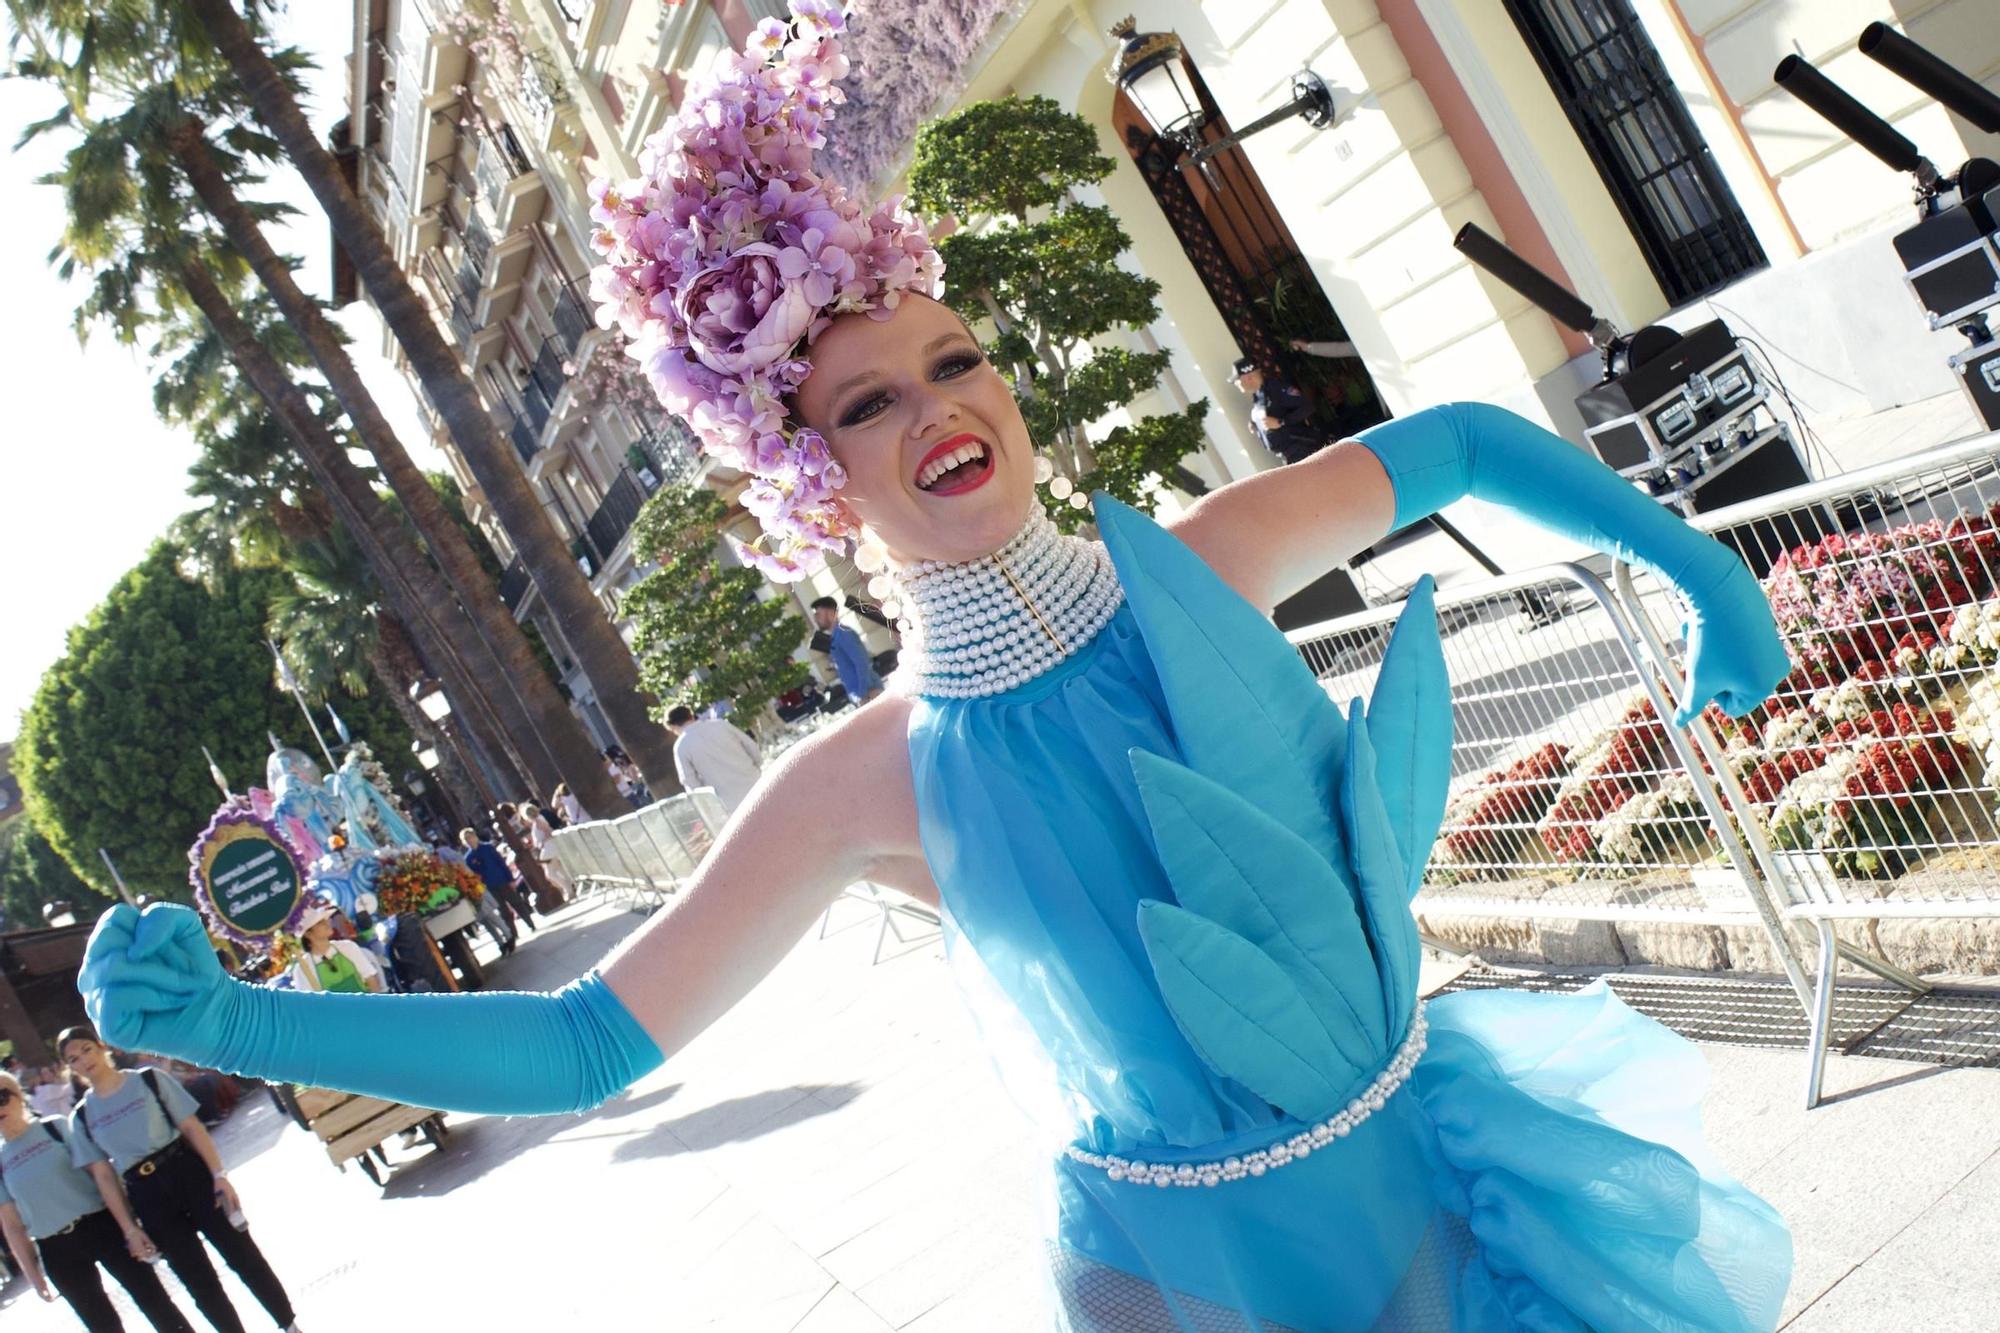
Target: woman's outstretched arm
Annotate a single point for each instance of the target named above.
(827, 814)
(1272, 534)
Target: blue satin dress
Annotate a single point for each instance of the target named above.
(1180, 875)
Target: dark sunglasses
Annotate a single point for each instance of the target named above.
(6, 1096)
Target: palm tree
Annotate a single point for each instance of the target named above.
(121, 166)
(264, 507)
(225, 363)
(598, 649)
(335, 634)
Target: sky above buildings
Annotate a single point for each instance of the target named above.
(89, 477)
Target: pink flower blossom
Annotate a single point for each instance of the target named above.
(732, 252)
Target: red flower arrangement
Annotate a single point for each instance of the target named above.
(410, 882)
(1625, 767)
(1504, 801)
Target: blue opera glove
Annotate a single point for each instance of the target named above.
(151, 982)
(1446, 453)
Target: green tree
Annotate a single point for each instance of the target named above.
(109, 753)
(699, 627)
(32, 875)
(1043, 268)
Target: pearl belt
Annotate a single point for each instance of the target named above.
(1283, 1153)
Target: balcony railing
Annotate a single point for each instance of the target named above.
(463, 323)
(527, 437)
(613, 519)
(542, 89)
(549, 375)
(470, 278)
(673, 455)
(514, 584)
(572, 319)
(534, 406)
(478, 245)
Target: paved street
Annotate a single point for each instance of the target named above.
(836, 1157)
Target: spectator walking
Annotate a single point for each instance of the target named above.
(540, 832)
(62, 1223)
(850, 656)
(631, 782)
(709, 752)
(145, 1125)
(567, 806)
(483, 859)
(532, 890)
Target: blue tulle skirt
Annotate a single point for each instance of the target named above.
(1543, 1170)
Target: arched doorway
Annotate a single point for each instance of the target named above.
(1260, 281)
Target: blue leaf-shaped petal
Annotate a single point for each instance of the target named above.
(1241, 1013)
(1409, 721)
(1232, 863)
(1379, 874)
(1246, 710)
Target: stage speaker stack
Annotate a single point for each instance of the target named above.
(1685, 416)
(1951, 257)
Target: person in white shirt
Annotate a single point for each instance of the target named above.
(711, 753)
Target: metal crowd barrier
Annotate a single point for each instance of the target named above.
(1861, 796)
(1887, 592)
(643, 856)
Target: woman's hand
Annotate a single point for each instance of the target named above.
(151, 982)
(1735, 658)
(140, 1246)
(225, 1196)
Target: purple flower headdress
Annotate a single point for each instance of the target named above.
(731, 253)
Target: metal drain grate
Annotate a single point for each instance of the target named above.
(1945, 1027)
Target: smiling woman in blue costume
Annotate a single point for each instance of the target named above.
(1163, 853)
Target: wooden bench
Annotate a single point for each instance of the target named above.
(355, 1127)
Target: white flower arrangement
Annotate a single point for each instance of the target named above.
(1632, 833)
(1978, 723)
(1974, 638)
(1794, 729)
(1799, 820)
(1849, 701)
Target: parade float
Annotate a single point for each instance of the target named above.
(272, 855)
(341, 839)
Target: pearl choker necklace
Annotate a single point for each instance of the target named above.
(991, 624)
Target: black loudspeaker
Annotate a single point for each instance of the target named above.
(1328, 597)
(1764, 470)
(1979, 367)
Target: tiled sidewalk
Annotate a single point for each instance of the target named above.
(837, 1157)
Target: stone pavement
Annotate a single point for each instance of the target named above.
(836, 1156)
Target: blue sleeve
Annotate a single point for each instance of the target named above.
(848, 662)
(153, 983)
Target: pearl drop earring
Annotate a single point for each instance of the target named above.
(871, 557)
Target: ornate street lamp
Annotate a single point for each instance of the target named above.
(431, 699)
(1151, 69)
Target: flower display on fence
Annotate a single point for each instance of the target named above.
(1502, 808)
(1854, 756)
(1606, 771)
(1651, 825)
(1971, 638)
